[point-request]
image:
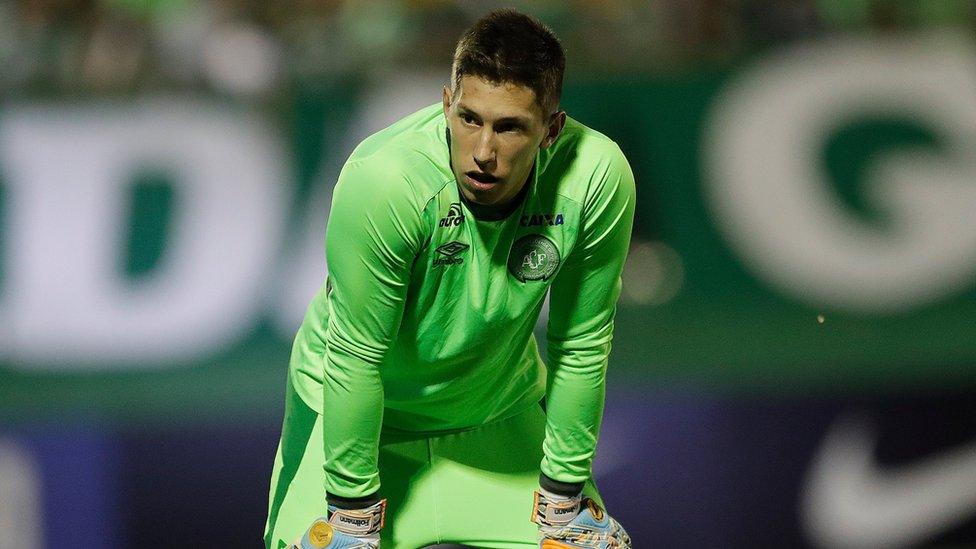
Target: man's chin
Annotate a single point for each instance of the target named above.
(481, 199)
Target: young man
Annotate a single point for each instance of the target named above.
(415, 376)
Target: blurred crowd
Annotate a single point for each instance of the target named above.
(253, 48)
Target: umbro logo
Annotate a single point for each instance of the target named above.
(454, 217)
(450, 253)
(452, 248)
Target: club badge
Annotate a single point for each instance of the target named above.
(533, 257)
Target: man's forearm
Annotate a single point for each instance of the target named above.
(352, 417)
(574, 409)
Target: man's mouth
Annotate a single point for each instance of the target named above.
(480, 180)
(482, 177)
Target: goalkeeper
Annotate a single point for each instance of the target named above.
(419, 410)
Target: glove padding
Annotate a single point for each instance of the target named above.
(576, 523)
(345, 529)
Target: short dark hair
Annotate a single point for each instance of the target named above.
(508, 47)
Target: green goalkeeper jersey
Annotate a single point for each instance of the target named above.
(425, 322)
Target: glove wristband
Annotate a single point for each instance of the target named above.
(359, 522)
(353, 503)
(551, 509)
(558, 487)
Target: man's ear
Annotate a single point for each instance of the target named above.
(556, 124)
(446, 99)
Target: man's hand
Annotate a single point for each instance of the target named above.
(575, 523)
(345, 529)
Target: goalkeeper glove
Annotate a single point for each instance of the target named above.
(345, 529)
(575, 523)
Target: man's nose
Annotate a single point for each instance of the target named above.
(484, 150)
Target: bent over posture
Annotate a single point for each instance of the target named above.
(419, 410)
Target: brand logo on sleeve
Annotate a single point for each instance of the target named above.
(450, 253)
(454, 217)
(539, 220)
(533, 257)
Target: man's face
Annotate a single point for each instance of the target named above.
(496, 130)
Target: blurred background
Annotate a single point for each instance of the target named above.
(795, 353)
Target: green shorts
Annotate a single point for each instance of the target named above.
(472, 487)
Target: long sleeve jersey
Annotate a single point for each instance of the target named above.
(425, 321)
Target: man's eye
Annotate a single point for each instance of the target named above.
(467, 119)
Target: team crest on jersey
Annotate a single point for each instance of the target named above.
(454, 217)
(450, 253)
(533, 257)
